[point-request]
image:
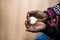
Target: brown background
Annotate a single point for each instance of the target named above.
(12, 17)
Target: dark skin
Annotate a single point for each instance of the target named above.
(39, 25)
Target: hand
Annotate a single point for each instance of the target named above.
(36, 27)
(41, 16)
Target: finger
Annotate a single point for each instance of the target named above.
(41, 20)
(26, 24)
(30, 29)
(27, 16)
(32, 13)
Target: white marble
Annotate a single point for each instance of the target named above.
(33, 20)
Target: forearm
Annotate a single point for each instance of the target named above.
(53, 11)
(52, 32)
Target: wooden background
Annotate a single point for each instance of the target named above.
(12, 17)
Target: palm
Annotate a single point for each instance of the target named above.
(41, 16)
(37, 27)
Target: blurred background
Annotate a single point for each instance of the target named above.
(13, 14)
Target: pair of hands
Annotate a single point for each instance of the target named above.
(40, 25)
